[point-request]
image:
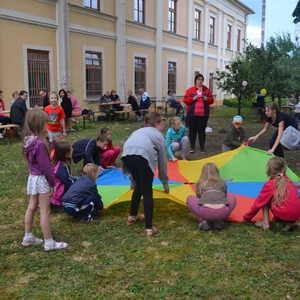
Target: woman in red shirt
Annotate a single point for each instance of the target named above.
(198, 99)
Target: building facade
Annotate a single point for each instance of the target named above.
(89, 46)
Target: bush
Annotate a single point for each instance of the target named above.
(234, 102)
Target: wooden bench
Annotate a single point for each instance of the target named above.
(81, 118)
(11, 130)
(8, 126)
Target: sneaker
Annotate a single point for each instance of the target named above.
(261, 224)
(204, 225)
(141, 118)
(1, 136)
(88, 220)
(202, 151)
(219, 225)
(55, 246)
(192, 151)
(31, 241)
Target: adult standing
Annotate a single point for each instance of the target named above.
(19, 109)
(279, 120)
(145, 148)
(198, 99)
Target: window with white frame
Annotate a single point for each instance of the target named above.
(93, 74)
(172, 16)
(212, 30)
(172, 75)
(197, 24)
(93, 4)
(139, 11)
(139, 74)
(229, 28)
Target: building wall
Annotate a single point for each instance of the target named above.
(66, 29)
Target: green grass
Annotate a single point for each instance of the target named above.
(109, 260)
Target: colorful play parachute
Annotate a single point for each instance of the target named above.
(243, 169)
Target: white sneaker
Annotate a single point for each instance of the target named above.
(1, 136)
(31, 241)
(55, 246)
(141, 118)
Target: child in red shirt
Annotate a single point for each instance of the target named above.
(279, 194)
(56, 123)
(110, 153)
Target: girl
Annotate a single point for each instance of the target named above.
(145, 148)
(66, 104)
(211, 205)
(176, 138)
(279, 194)
(56, 123)
(281, 121)
(41, 179)
(110, 153)
(61, 162)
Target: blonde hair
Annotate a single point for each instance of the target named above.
(53, 93)
(173, 120)
(15, 93)
(276, 169)
(210, 175)
(273, 106)
(89, 169)
(34, 125)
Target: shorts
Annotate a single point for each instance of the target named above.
(37, 184)
(53, 135)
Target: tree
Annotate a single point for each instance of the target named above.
(236, 72)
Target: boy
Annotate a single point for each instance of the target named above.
(82, 197)
(90, 150)
(56, 123)
(235, 135)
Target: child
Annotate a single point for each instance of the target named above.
(235, 135)
(41, 181)
(56, 121)
(176, 138)
(211, 205)
(82, 198)
(89, 150)
(279, 194)
(110, 153)
(61, 162)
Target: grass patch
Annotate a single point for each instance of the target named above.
(109, 260)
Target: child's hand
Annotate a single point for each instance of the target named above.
(52, 190)
(298, 185)
(174, 159)
(167, 190)
(244, 221)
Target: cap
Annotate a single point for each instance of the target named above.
(237, 120)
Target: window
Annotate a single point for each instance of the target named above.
(172, 15)
(212, 30)
(172, 71)
(238, 43)
(228, 36)
(93, 4)
(93, 71)
(139, 11)
(139, 74)
(38, 74)
(211, 82)
(197, 24)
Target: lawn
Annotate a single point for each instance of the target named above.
(107, 259)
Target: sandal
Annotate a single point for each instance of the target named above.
(151, 232)
(261, 224)
(133, 219)
(55, 246)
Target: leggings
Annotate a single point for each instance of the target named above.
(197, 126)
(143, 176)
(209, 214)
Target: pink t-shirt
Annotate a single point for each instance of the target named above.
(75, 104)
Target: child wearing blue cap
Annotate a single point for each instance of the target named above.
(235, 135)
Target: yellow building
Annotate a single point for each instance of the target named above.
(91, 45)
